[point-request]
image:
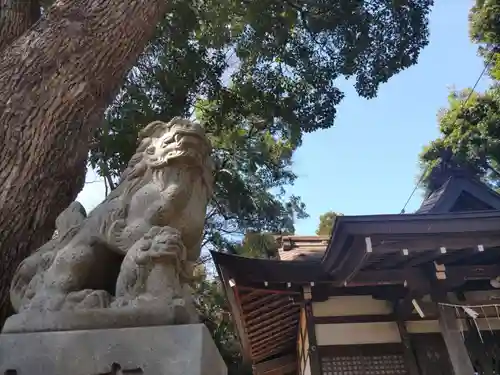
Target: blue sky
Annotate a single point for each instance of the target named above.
(367, 163)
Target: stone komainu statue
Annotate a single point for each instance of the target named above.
(136, 249)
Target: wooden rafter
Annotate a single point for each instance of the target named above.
(277, 324)
(268, 311)
(352, 264)
(262, 301)
(395, 261)
(417, 276)
(271, 308)
(393, 233)
(272, 315)
(277, 336)
(275, 319)
(285, 363)
(386, 245)
(248, 297)
(271, 332)
(278, 343)
(268, 352)
(449, 223)
(268, 291)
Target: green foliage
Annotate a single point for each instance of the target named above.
(258, 75)
(484, 20)
(214, 308)
(470, 126)
(215, 314)
(471, 131)
(326, 222)
(257, 245)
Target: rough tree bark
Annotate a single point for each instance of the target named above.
(56, 81)
(16, 17)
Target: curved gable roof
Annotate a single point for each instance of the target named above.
(460, 194)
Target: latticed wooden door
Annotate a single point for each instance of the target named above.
(484, 351)
(381, 359)
(431, 354)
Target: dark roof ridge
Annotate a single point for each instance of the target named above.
(444, 198)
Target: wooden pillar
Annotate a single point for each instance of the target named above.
(448, 324)
(409, 353)
(475, 345)
(457, 351)
(314, 360)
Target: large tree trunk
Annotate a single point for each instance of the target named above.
(16, 17)
(55, 82)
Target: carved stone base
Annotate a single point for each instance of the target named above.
(172, 350)
(123, 317)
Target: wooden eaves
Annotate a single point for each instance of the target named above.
(387, 256)
(364, 249)
(364, 252)
(266, 312)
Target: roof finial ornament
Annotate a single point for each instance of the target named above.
(449, 165)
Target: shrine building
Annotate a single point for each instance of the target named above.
(399, 294)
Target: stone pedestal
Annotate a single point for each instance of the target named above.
(161, 350)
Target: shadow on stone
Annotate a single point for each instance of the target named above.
(116, 369)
